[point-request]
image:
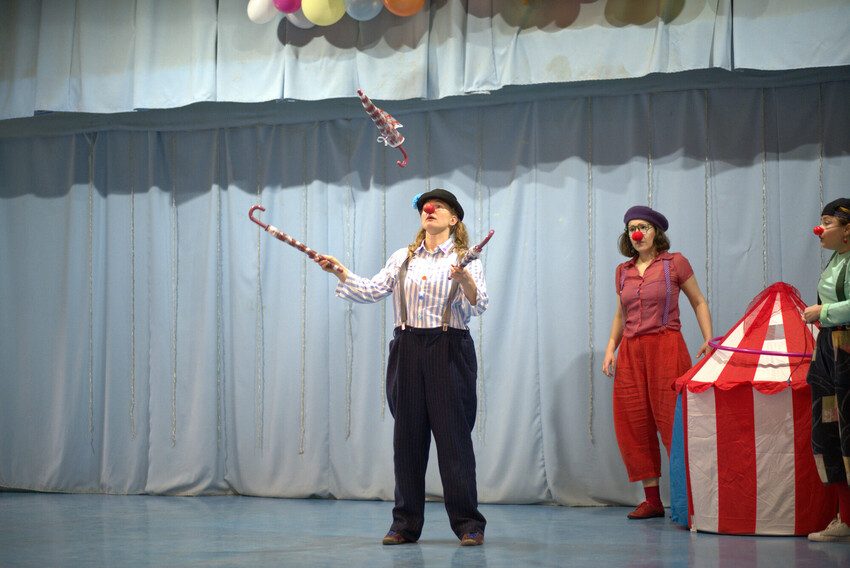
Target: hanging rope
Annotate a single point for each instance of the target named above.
(428, 151)
(175, 265)
(349, 306)
(649, 174)
(91, 140)
(259, 327)
(707, 199)
(219, 320)
(223, 406)
(132, 172)
(383, 380)
(591, 363)
(820, 158)
(764, 190)
(304, 224)
(481, 420)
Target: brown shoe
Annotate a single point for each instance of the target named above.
(647, 510)
(393, 537)
(472, 539)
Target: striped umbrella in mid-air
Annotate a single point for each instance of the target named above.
(387, 126)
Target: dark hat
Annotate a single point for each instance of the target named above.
(838, 208)
(647, 214)
(445, 196)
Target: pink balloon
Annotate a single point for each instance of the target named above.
(287, 6)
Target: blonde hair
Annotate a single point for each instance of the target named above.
(458, 231)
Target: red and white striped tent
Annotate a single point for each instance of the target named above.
(747, 419)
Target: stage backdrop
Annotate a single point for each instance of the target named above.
(153, 340)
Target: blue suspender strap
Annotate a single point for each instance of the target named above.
(666, 314)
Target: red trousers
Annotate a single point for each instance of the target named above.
(644, 398)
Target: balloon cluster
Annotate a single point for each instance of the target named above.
(308, 13)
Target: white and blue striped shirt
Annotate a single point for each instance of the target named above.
(427, 286)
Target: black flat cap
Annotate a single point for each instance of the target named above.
(446, 197)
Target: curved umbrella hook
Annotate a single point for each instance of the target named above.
(254, 219)
(402, 163)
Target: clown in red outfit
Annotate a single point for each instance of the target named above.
(652, 352)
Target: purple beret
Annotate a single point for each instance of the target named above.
(647, 214)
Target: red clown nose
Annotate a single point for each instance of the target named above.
(429, 208)
(818, 230)
(637, 236)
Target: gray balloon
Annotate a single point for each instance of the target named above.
(299, 20)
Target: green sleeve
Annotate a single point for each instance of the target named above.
(837, 313)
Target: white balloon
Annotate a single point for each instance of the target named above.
(261, 11)
(299, 20)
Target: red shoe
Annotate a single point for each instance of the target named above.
(647, 510)
(393, 537)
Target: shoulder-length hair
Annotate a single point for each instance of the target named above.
(661, 242)
(458, 231)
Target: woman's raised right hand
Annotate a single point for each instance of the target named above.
(327, 263)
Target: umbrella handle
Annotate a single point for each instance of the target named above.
(402, 163)
(254, 219)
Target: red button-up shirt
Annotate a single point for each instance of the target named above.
(643, 297)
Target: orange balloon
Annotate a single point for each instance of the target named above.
(404, 7)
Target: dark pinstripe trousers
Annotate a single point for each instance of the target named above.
(431, 377)
(829, 379)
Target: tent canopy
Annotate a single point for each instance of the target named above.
(768, 348)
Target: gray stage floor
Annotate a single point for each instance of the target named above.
(50, 530)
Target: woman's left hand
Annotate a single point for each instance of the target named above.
(467, 283)
(812, 313)
(704, 350)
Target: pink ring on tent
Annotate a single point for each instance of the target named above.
(716, 345)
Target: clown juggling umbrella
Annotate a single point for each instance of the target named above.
(387, 125)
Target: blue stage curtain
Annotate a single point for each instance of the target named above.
(153, 340)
